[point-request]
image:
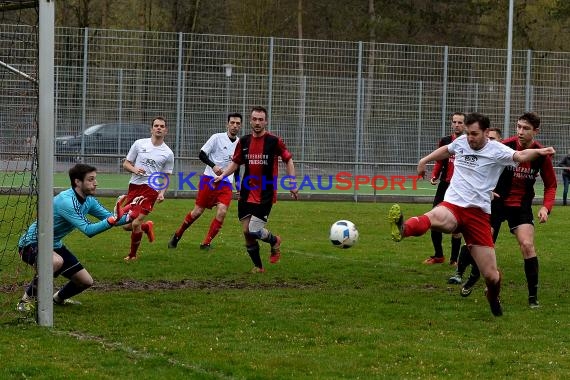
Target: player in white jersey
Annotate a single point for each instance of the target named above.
(149, 160)
(216, 153)
(467, 204)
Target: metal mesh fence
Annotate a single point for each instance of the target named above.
(339, 102)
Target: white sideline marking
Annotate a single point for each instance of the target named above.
(142, 355)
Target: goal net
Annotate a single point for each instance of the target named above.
(19, 105)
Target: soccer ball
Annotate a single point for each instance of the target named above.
(343, 234)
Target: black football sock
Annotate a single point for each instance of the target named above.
(253, 251)
(531, 271)
(463, 260)
(436, 239)
(271, 239)
(475, 273)
(455, 246)
(32, 289)
(69, 290)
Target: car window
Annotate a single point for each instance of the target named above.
(136, 131)
(93, 129)
(110, 130)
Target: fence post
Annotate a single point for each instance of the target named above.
(120, 106)
(444, 90)
(358, 115)
(527, 105)
(420, 100)
(84, 90)
(302, 119)
(244, 102)
(476, 97)
(55, 97)
(509, 70)
(178, 102)
(270, 83)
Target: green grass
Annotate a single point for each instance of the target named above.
(372, 311)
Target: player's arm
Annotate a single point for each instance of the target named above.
(440, 153)
(99, 211)
(162, 192)
(438, 167)
(290, 170)
(532, 154)
(203, 156)
(80, 222)
(230, 169)
(234, 165)
(548, 176)
(287, 158)
(131, 168)
(436, 171)
(166, 170)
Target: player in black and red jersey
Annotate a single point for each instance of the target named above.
(259, 152)
(442, 172)
(515, 192)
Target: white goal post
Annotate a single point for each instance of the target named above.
(45, 160)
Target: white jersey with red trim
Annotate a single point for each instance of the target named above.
(220, 150)
(154, 159)
(476, 172)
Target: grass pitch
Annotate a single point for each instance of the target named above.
(371, 311)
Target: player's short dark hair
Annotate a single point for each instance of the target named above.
(457, 114)
(532, 118)
(79, 171)
(235, 114)
(259, 109)
(475, 117)
(498, 130)
(161, 118)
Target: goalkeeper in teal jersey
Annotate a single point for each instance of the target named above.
(70, 210)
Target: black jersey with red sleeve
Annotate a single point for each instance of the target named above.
(516, 185)
(260, 156)
(443, 169)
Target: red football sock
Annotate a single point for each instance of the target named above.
(188, 220)
(416, 226)
(135, 242)
(215, 227)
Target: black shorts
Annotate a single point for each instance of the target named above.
(71, 265)
(515, 216)
(260, 211)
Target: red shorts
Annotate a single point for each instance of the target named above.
(210, 194)
(473, 223)
(147, 192)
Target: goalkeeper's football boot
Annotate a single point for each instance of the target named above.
(66, 302)
(396, 219)
(26, 306)
(275, 251)
(173, 243)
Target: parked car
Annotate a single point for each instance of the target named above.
(108, 139)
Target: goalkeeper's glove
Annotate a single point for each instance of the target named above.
(132, 210)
